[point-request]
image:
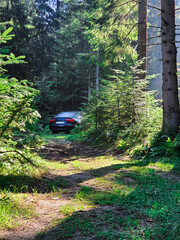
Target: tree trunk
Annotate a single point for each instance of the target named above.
(171, 113)
(89, 88)
(142, 36)
(97, 74)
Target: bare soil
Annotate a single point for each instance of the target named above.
(47, 205)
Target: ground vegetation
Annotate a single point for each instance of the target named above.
(121, 180)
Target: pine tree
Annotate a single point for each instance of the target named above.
(171, 112)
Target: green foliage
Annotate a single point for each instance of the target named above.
(85, 27)
(123, 111)
(10, 211)
(125, 199)
(112, 26)
(16, 110)
(165, 145)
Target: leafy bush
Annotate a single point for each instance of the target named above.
(165, 145)
(16, 110)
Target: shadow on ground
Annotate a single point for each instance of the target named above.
(149, 211)
(144, 204)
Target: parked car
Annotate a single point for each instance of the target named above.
(64, 121)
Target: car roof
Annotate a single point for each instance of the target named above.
(68, 114)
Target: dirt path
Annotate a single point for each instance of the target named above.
(81, 166)
(47, 205)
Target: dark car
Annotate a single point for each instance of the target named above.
(65, 121)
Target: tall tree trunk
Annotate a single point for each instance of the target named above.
(97, 74)
(89, 88)
(171, 112)
(142, 36)
(89, 79)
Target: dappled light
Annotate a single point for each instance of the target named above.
(88, 149)
(127, 196)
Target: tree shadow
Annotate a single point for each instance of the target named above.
(66, 152)
(149, 208)
(25, 183)
(149, 211)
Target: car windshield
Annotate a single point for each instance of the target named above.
(67, 114)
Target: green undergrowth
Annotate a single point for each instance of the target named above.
(125, 199)
(17, 180)
(48, 136)
(117, 197)
(11, 210)
(150, 210)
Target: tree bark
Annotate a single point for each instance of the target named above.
(142, 36)
(171, 112)
(89, 88)
(97, 74)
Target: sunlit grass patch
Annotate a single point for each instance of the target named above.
(94, 196)
(156, 198)
(79, 165)
(12, 210)
(76, 205)
(98, 163)
(49, 136)
(111, 183)
(166, 167)
(55, 165)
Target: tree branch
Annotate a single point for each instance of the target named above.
(14, 113)
(129, 32)
(154, 26)
(128, 12)
(125, 3)
(159, 9)
(153, 37)
(152, 44)
(22, 155)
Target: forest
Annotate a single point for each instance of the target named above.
(118, 62)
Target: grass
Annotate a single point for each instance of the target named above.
(149, 209)
(74, 206)
(12, 209)
(116, 198)
(129, 199)
(48, 136)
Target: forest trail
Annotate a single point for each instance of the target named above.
(74, 168)
(46, 205)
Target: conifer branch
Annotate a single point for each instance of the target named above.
(152, 44)
(159, 9)
(125, 3)
(153, 37)
(128, 12)
(129, 32)
(22, 155)
(154, 27)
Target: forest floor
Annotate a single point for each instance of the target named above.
(91, 194)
